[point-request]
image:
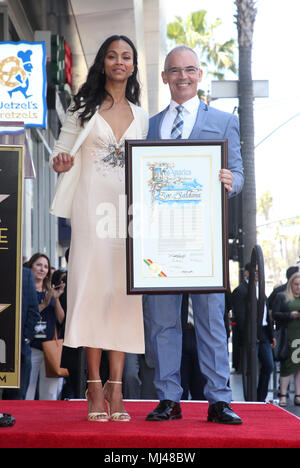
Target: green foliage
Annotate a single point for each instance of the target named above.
(265, 203)
(215, 57)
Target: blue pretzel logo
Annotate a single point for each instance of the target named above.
(15, 73)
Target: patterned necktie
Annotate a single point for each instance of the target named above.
(190, 311)
(176, 132)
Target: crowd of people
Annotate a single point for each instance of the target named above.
(42, 316)
(278, 336)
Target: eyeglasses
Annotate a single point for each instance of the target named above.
(188, 70)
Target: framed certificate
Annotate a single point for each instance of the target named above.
(177, 217)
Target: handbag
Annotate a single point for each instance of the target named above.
(281, 351)
(52, 354)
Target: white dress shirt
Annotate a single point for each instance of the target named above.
(190, 110)
(265, 321)
(265, 315)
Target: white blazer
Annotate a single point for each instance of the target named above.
(70, 140)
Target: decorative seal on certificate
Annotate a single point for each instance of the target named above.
(155, 268)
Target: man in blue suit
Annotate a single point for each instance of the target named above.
(196, 121)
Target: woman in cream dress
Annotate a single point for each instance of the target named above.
(91, 190)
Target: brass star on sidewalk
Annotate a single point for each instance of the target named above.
(3, 197)
(3, 307)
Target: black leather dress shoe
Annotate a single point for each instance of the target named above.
(6, 420)
(165, 411)
(221, 413)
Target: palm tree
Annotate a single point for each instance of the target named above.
(245, 19)
(265, 204)
(216, 58)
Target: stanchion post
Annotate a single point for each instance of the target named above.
(253, 322)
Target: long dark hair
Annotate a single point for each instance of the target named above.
(92, 93)
(47, 279)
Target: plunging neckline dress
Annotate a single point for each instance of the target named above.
(100, 314)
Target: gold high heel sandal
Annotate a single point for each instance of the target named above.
(95, 416)
(122, 417)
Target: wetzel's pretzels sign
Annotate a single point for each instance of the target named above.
(23, 83)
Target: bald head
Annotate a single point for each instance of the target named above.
(180, 48)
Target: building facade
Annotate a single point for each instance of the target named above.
(75, 29)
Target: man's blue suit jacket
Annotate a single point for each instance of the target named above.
(211, 124)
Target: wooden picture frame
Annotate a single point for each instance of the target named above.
(177, 217)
